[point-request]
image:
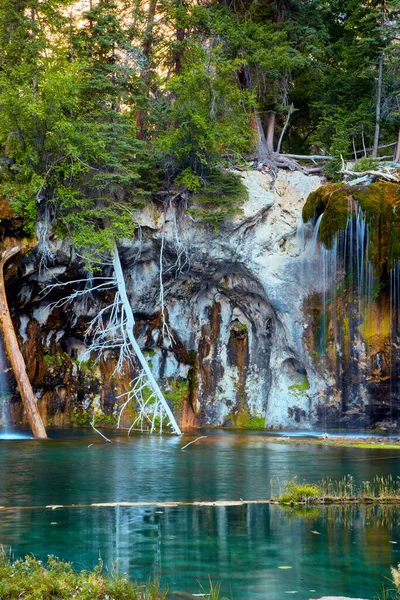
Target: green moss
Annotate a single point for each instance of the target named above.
(87, 366)
(80, 418)
(336, 215)
(255, 423)
(177, 393)
(317, 201)
(53, 360)
(379, 202)
(83, 418)
(149, 352)
(242, 419)
(346, 328)
(299, 389)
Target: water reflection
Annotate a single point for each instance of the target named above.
(333, 550)
(143, 468)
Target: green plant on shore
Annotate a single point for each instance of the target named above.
(31, 579)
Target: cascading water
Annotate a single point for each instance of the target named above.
(6, 432)
(4, 390)
(347, 322)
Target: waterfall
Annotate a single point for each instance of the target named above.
(394, 345)
(4, 388)
(344, 274)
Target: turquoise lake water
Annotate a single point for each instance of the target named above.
(329, 550)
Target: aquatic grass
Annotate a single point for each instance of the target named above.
(31, 579)
(214, 592)
(392, 593)
(379, 489)
(295, 491)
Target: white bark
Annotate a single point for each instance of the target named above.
(290, 112)
(129, 328)
(397, 154)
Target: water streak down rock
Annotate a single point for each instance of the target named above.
(355, 320)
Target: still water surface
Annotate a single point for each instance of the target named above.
(329, 550)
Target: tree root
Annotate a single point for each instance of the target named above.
(275, 161)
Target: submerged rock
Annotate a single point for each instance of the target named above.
(337, 598)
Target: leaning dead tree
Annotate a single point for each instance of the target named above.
(112, 329)
(14, 353)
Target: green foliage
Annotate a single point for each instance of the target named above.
(364, 164)
(101, 110)
(208, 117)
(294, 492)
(32, 579)
(220, 196)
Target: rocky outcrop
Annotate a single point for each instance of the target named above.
(233, 305)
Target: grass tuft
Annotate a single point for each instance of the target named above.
(379, 489)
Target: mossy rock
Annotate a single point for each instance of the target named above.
(301, 388)
(379, 202)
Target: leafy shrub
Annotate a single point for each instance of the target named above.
(56, 579)
(299, 492)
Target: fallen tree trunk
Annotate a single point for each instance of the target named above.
(311, 157)
(14, 353)
(378, 174)
(129, 328)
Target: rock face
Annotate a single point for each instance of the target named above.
(230, 349)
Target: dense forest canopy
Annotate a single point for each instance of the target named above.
(107, 102)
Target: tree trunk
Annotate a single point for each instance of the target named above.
(378, 109)
(397, 155)
(262, 147)
(178, 55)
(290, 111)
(147, 49)
(15, 355)
(270, 132)
(130, 322)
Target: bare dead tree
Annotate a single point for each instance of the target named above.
(113, 329)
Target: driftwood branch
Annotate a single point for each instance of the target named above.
(309, 157)
(290, 112)
(202, 437)
(393, 178)
(99, 432)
